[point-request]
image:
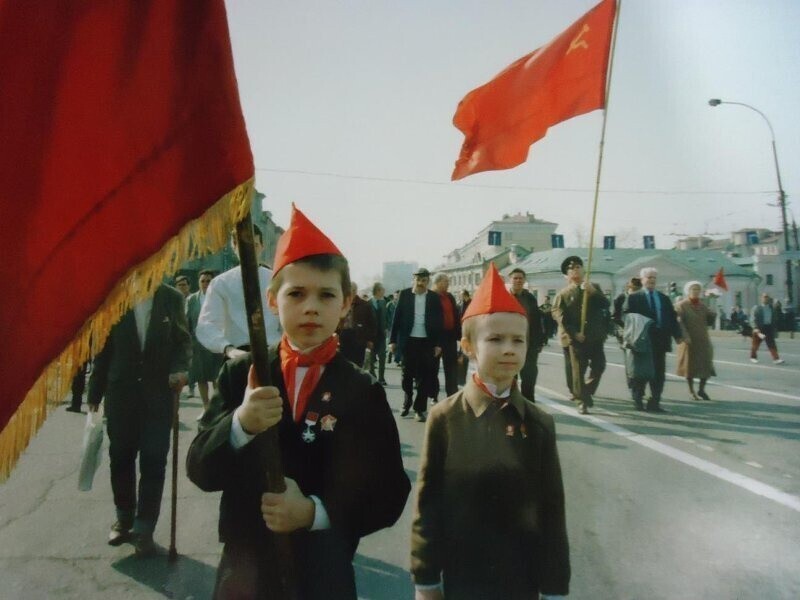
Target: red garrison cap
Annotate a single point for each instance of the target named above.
(492, 297)
(300, 240)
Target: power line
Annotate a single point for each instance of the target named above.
(515, 187)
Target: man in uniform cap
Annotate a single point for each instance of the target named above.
(582, 343)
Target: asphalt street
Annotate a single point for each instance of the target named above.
(700, 502)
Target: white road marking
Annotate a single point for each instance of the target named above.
(746, 483)
(706, 448)
(714, 383)
(753, 463)
(747, 364)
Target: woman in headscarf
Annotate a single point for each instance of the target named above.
(695, 353)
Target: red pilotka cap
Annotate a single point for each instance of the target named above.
(492, 297)
(300, 240)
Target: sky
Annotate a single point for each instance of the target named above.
(349, 108)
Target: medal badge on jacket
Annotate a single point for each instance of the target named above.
(308, 434)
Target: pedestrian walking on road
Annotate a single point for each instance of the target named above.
(656, 306)
(489, 520)
(582, 346)
(764, 320)
(145, 359)
(536, 335)
(416, 335)
(205, 364)
(695, 352)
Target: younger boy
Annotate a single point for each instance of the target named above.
(338, 439)
(489, 521)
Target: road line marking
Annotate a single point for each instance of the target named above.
(706, 448)
(746, 483)
(753, 463)
(714, 383)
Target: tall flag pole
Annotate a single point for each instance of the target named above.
(585, 305)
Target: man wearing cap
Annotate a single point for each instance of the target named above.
(416, 336)
(658, 307)
(536, 337)
(582, 345)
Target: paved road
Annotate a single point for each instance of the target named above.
(703, 502)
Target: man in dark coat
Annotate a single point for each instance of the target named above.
(765, 321)
(416, 336)
(357, 330)
(378, 303)
(658, 307)
(144, 362)
(451, 337)
(536, 337)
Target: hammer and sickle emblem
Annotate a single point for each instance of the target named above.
(578, 42)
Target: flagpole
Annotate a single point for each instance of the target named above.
(266, 443)
(600, 165)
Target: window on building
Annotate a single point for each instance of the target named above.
(770, 279)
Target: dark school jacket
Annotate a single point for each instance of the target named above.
(490, 515)
(354, 464)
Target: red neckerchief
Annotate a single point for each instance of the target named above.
(479, 382)
(694, 301)
(314, 360)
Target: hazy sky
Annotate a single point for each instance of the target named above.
(349, 108)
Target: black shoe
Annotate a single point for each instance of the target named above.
(655, 407)
(144, 545)
(703, 395)
(120, 534)
(589, 401)
(582, 408)
(638, 404)
(404, 412)
(75, 409)
(421, 417)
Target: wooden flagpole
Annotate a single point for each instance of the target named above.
(266, 442)
(600, 166)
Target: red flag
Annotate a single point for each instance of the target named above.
(121, 123)
(563, 79)
(719, 280)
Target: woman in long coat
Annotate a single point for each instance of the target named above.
(695, 353)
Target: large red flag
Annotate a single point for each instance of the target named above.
(121, 127)
(563, 79)
(719, 280)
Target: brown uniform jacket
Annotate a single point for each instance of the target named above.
(489, 518)
(567, 308)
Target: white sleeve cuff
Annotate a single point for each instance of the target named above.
(239, 437)
(427, 587)
(321, 520)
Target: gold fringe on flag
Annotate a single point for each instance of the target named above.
(199, 237)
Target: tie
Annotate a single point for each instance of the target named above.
(291, 359)
(653, 308)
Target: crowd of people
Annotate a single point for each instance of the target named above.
(339, 443)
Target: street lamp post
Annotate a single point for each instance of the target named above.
(781, 193)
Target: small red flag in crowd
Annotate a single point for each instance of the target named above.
(121, 127)
(719, 280)
(563, 79)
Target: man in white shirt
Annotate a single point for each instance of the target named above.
(222, 325)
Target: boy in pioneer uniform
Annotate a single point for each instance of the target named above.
(338, 439)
